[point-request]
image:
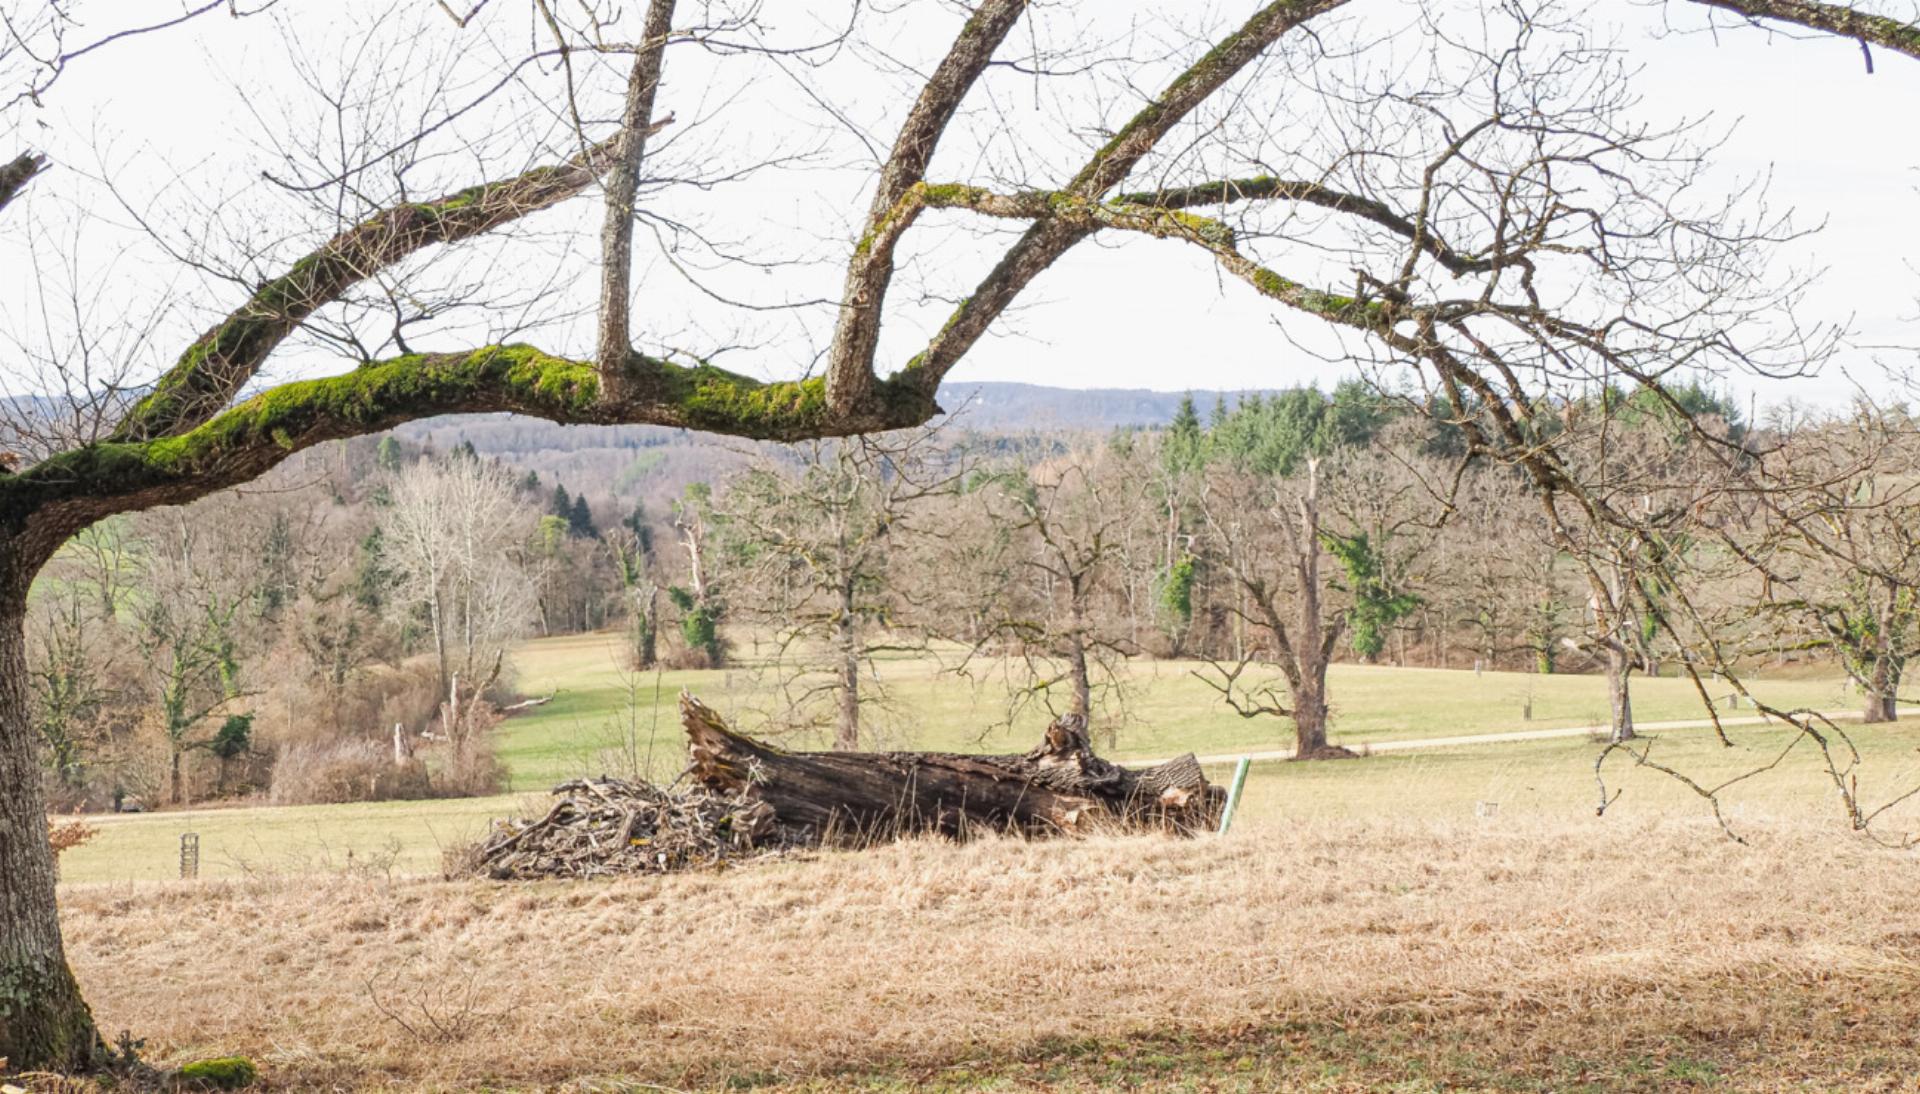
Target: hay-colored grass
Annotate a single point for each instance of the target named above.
(1383, 953)
(1363, 927)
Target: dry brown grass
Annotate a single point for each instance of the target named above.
(1338, 955)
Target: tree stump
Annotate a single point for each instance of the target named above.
(857, 798)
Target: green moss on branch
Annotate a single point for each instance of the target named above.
(245, 440)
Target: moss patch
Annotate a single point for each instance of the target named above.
(223, 1073)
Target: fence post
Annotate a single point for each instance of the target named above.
(1233, 792)
(189, 855)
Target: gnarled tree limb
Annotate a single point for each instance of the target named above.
(1052, 236)
(870, 269)
(220, 362)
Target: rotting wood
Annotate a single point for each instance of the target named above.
(750, 800)
(843, 798)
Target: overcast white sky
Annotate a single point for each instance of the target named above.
(1837, 144)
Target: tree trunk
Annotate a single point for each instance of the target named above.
(1881, 692)
(1310, 643)
(1082, 679)
(1310, 716)
(44, 1024)
(1619, 695)
(439, 637)
(857, 798)
(648, 652)
(846, 733)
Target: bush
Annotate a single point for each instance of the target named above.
(358, 770)
(470, 774)
(66, 836)
(350, 770)
(682, 658)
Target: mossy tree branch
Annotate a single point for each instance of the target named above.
(56, 497)
(220, 362)
(1410, 329)
(1267, 188)
(870, 269)
(1082, 215)
(1841, 19)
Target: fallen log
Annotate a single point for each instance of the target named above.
(750, 801)
(853, 798)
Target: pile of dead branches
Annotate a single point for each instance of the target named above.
(602, 827)
(747, 800)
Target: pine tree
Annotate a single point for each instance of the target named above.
(1184, 438)
(580, 518)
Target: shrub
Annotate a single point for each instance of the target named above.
(350, 770)
(66, 836)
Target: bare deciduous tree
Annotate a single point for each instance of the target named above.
(1509, 225)
(829, 543)
(456, 532)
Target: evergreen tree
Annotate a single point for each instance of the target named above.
(386, 455)
(1185, 440)
(580, 518)
(562, 504)
(371, 575)
(637, 523)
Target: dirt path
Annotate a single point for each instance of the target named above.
(1414, 743)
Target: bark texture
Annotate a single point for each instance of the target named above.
(44, 1023)
(17, 172)
(855, 798)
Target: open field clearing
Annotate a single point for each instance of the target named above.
(581, 732)
(1518, 953)
(603, 714)
(1453, 918)
(1532, 782)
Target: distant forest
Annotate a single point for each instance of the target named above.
(653, 465)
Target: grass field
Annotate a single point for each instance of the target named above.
(1455, 918)
(1516, 953)
(601, 719)
(599, 709)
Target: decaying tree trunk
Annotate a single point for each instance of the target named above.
(1060, 787)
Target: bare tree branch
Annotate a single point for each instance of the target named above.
(870, 269)
(218, 364)
(1051, 237)
(623, 181)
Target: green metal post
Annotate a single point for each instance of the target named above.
(1233, 792)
